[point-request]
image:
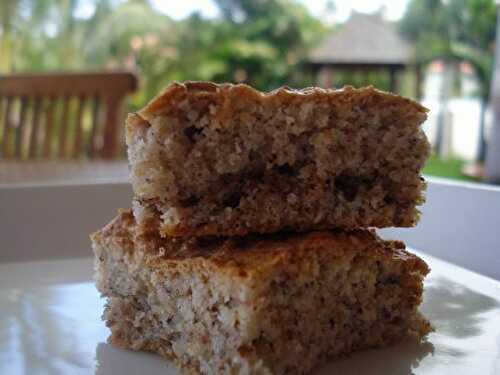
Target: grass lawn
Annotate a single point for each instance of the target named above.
(448, 168)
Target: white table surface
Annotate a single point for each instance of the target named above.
(50, 324)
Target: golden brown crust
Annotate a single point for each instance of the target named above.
(225, 159)
(176, 92)
(280, 303)
(249, 254)
(136, 121)
(119, 230)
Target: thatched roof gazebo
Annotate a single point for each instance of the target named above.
(364, 42)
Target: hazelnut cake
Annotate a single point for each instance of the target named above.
(260, 304)
(210, 159)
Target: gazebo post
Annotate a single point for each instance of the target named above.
(418, 81)
(325, 76)
(393, 84)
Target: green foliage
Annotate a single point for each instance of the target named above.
(472, 22)
(448, 168)
(456, 30)
(459, 30)
(261, 42)
(134, 36)
(258, 42)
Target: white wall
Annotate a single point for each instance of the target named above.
(44, 222)
(460, 222)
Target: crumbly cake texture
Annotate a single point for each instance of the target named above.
(210, 159)
(260, 304)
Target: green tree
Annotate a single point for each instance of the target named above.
(41, 35)
(472, 35)
(258, 42)
(20, 20)
(134, 36)
(263, 42)
(456, 30)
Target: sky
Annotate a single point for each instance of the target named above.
(394, 9)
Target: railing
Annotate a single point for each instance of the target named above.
(62, 115)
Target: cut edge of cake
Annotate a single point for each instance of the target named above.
(265, 304)
(226, 159)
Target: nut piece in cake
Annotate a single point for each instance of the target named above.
(257, 305)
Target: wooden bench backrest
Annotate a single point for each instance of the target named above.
(62, 115)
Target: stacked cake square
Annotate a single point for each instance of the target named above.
(250, 248)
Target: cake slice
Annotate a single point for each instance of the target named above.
(256, 305)
(229, 160)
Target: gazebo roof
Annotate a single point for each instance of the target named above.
(363, 40)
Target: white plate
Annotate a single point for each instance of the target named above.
(50, 324)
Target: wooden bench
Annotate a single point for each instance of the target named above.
(62, 115)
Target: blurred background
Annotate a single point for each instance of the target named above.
(71, 69)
